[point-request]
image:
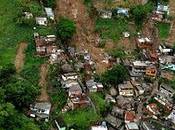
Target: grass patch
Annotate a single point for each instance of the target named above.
(99, 102)
(164, 29)
(81, 118)
(111, 28)
(10, 33)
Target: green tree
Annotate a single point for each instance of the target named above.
(10, 119)
(65, 29)
(140, 13)
(21, 92)
(5, 73)
(49, 3)
(115, 76)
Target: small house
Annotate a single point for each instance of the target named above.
(69, 76)
(121, 12)
(41, 110)
(153, 108)
(103, 126)
(132, 126)
(151, 71)
(162, 9)
(49, 13)
(126, 89)
(171, 116)
(105, 14)
(113, 121)
(93, 86)
(130, 116)
(45, 45)
(144, 42)
(41, 21)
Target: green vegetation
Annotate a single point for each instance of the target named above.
(81, 119)
(118, 53)
(10, 33)
(65, 29)
(49, 3)
(140, 13)
(15, 91)
(164, 29)
(111, 28)
(115, 76)
(99, 101)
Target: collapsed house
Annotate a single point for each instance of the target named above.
(45, 45)
(40, 110)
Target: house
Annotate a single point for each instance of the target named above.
(126, 89)
(132, 126)
(45, 45)
(167, 75)
(139, 87)
(113, 121)
(167, 59)
(140, 66)
(169, 67)
(94, 86)
(103, 126)
(57, 57)
(130, 116)
(171, 116)
(126, 34)
(40, 110)
(164, 9)
(28, 15)
(151, 71)
(147, 126)
(121, 12)
(69, 76)
(49, 13)
(164, 100)
(153, 108)
(105, 14)
(144, 42)
(167, 90)
(41, 21)
(74, 89)
(164, 50)
(125, 103)
(117, 112)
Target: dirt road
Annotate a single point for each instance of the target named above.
(20, 56)
(85, 37)
(43, 83)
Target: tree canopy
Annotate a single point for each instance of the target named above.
(65, 29)
(115, 76)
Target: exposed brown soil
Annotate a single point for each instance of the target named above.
(171, 38)
(20, 56)
(85, 37)
(43, 83)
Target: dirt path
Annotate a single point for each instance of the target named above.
(43, 83)
(20, 56)
(85, 38)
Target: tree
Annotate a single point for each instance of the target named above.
(5, 73)
(10, 119)
(114, 76)
(49, 3)
(65, 29)
(20, 92)
(140, 13)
